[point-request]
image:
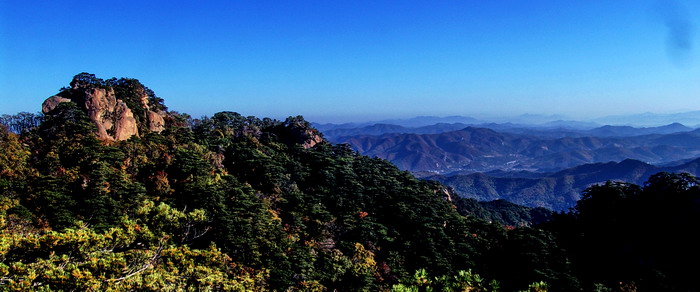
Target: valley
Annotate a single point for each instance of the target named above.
(531, 165)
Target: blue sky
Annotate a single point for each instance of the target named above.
(335, 61)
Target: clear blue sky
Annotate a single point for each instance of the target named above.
(358, 60)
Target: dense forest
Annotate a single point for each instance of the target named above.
(239, 203)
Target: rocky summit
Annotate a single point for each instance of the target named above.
(120, 108)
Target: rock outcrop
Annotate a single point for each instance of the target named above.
(313, 138)
(112, 116)
(302, 133)
(124, 123)
(156, 121)
(52, 102)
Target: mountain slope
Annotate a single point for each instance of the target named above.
(480, 149)
(557, 191)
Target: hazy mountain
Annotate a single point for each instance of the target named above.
(415, 122)
(438, 151)
(555, 129)
(622, 131)
(565, 124)
(557, 191)
(481, 150)
(330, 126)
(421, 121)
(376, 129)
(333, 131)
(380, 129)
(652, 119)
(532, 119)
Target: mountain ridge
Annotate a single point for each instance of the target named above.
(481, 149)
(558, 191)
(556, 129)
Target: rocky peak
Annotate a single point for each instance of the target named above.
(120, 108)
(303, 133)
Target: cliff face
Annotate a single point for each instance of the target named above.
(114, 119)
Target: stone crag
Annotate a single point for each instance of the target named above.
(112, 116)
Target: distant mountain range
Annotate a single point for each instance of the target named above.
(651, 119)
(380, 129)
(537, 165)
(420, 121)
(556, 129)
(481, 149)
(626, 131)
(690, 118)
(557, 191)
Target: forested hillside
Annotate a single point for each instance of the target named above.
(245, 204)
